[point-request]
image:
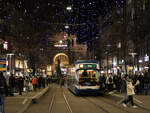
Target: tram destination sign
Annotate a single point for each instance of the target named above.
(88, 66)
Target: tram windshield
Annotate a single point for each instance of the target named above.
(88, 77)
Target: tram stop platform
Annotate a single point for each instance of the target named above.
(19, 103)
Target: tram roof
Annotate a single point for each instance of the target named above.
(86, 61)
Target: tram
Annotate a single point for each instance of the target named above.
(84, 78)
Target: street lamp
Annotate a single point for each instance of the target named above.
(60, 41)
(69, 8)
(66, 26)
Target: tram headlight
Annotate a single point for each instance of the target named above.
(81, 66)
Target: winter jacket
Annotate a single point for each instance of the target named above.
(34, 81)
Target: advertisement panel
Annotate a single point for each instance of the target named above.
(2, 64)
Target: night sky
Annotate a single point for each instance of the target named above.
(50, 16)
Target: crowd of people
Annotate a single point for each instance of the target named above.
(110, 82)
(19, 84)
(140, 84)
(128, 85)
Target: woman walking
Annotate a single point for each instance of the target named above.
(130, 93)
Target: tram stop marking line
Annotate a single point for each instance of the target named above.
(122, 97)
(25, 100)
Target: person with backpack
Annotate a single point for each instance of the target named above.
(2, 91)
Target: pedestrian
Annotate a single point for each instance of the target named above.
(43, 82)
(123, 89)
(20, 85)
(115, 80)
(2, 91)
(34, 83)
(109, 81)
(118, 83)
(137, 87)
(62, 82)
(26, 85)
(12, 84)
(130, 93)
(103, 81)
(16, 84)
(40, 81)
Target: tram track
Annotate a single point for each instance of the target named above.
(112, 104)
(54, 103)
(51, 104)
(90, 100)
(69, 108)
(101, 109)
(37, 107)
(83, 101)
(98, 106)
(60, 100)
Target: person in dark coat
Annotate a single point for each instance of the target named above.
(2, 91)
(40, 81)
(102, 80)
(43, 82)
(11, 84)
(20, 85)
(118, 83)
(123, 89)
